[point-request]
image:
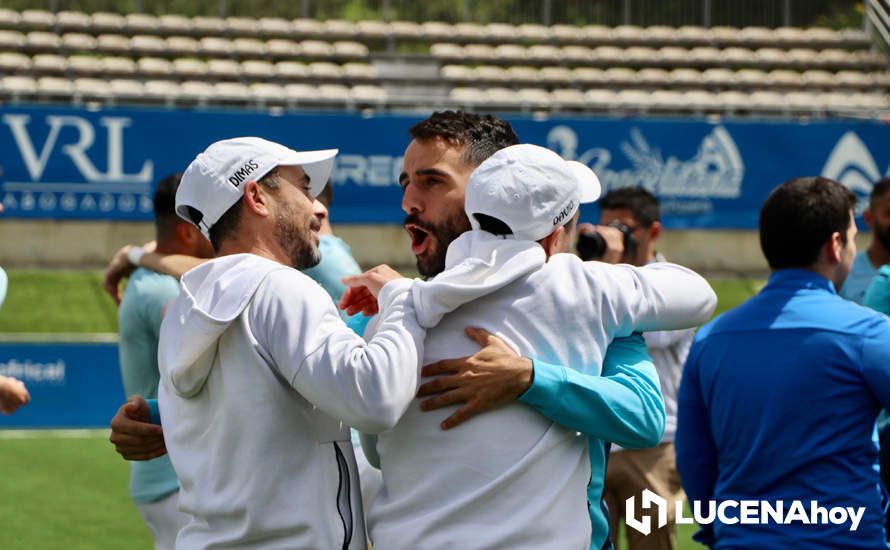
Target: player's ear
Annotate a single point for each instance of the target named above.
(256, 198)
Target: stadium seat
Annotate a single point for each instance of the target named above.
(668, 99)
(333, 93)
(733, 56)
(755, 36)
(43, 41)
(634, 98)
(91, 88)
(290, 70)
(566, 33)
(257, 69)
(223, 68)
(300, 92)
(790, 36)
(767, 99)
(232, 91)
(18, 85)
(544, 53)
(460, 73)
(338, 28)
(85, 65)
(733, 99)
(652, 76)
(118, 66)
(501, 32)
(249, 47)
(461, 94)
(126, 88)
(78, 42)
(215, 46)
(500, 96)
(588, 75)
(325, 70)
(523, 74)
(174, 24)
(436, 30)
(49, 63)
(567, 97)
(577, 54)
(467, 32)
(265, 91)
(785, 78)
(108, 22)
(188, 67)
(533, 97)
(349, 50)
(183, 45)
(38, 19)
(243, 26)
(406, 29)
(620, 76)
(533, 32)
(718, 77)
(555, 75)
(752, 78)
(601, 99)
(274, 26)
(674, 55)
(9, 19)
(73, 21)
(627, 33)
(359, 71)
(801, 100)
(54, 86)
(14, 62)
(480, 52)
(282, 48)
(691, 35)
(197, 90)
(113, 43)
(608, 55)
(142, 23)
(770, 56)
(818, 78)
(659, 34)
(154, 66)
(12, 40)
(316, 48)
(307, 27)
(368, 94)
(491, 73)
(372, 30)
(447, 51)
(510, 53)
(686, 76)
(702, 99)
(143, 44)
(161, 88)
(639, 55)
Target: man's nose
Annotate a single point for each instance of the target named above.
(411, 200)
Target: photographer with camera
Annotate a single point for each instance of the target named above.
(629, 226)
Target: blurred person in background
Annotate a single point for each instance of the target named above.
(13, 393)
(153, 484)
(867, 262)
(779, 395)
(630, 224)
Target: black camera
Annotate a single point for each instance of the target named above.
(592, 246)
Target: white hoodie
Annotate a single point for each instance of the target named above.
(511, 478)
(257, 373)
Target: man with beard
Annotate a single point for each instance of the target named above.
(867, 262)
(623, 404)
(258, 369)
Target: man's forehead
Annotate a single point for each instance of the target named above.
(431, 152)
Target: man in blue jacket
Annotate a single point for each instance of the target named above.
(779, 396)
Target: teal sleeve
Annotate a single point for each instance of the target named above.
(154, 413)
(369, 447)
(623, 405)
(877, 297)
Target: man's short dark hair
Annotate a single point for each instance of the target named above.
(877, 192)
(229, 221)
(483, 135)
(642, 204)
(800, 216)
(165, 206)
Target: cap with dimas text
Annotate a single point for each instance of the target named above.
(213, 182)
(531, 189)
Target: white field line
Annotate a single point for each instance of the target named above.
(54, 434)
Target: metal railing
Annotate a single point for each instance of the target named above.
(878, 18)
(735, 13)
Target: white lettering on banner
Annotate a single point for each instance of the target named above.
(30, 371)
(69, 195)
(371, 170)
(852, 164)
(716, 171)
(745, 512)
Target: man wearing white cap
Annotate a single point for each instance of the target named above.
(257, 368)
(512, 478)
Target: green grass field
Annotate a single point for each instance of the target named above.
(69, 491)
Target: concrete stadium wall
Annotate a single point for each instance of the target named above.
(66, 244)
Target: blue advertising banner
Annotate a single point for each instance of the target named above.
(71, 385)
(68, 163)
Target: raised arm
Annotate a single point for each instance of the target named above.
(366, 385)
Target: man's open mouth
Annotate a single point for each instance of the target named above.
(419, 238)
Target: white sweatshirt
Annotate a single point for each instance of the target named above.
(510, 478)
(257, 373)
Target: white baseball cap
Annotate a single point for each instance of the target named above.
(529, 188)
(212, 183)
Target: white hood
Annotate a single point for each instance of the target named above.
(212, 296)
(477, 263)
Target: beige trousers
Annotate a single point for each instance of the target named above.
(628, 473)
